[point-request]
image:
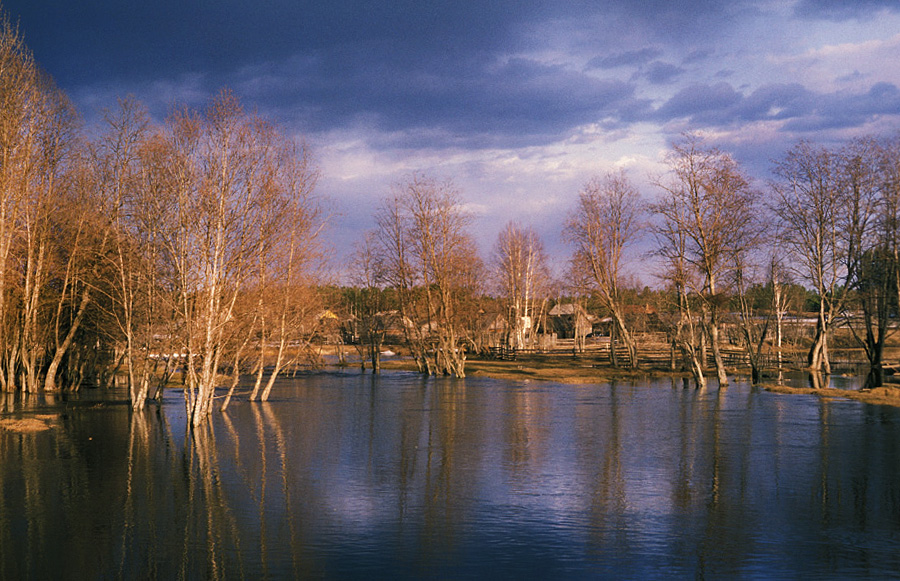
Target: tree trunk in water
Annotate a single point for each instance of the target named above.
(260, 369)
(875, 377)
(50, 379)
(818, 352)
(875, 353)
(690, 354)
(279, 360)
(697, 371)
(717, 354)
(375, 355)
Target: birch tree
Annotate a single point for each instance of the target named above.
(522, 275)
(712, 203)
(126, 168)
(672, 248)
(367, 302)
(232, 187)
(429, 258)
(605, 222)
(18, 91)
(809, 205)
(38, 132)
(871, 230)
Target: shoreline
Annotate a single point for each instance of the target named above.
(579, 374)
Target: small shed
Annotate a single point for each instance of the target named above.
(570, 321)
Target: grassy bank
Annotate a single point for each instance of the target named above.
(575, 371)
(887, 395)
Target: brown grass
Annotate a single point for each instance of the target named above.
(38, 423)
(562, 371)
(572, 371)
(879, 395)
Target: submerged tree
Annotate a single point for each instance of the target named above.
(672, 248)
(40, 212)
(135, 250)
(710, 202)
(368, 303)
(810, 205)
(122, 158)
(753, 330)
(870, 177)
(429, 258)
(231, 215)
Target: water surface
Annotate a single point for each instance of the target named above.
(344, 475)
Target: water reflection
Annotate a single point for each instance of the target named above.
(345, 475)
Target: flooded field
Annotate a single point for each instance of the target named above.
(343, 475)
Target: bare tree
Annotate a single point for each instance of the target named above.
(294, 248)
(122, 157)
(17, 149)
(754, 329)
(778, 278)
(429, 258)
(38, 132)
(870, 226)
(605, 223)
(672, 248)
(79, 234)
(229, 211)
(394, 256)
(810, 205)
(522, 277)
(157, 230)
(368, 304)
(712, 204)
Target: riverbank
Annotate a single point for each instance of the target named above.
(886, 395)
(577, 372)
(562, 371)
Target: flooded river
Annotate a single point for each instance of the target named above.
(344, 475)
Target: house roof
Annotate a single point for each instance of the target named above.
(569, 309)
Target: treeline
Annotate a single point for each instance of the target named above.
(186, 250)
(147, 247)
(720, 247)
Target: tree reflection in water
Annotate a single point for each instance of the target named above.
(403, 476)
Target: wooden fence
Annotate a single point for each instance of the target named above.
(659, 355)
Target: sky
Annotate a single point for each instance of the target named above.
(519, 103)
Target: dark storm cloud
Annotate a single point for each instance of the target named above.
(519, 101)
(847, 110)
(429, 73)
(798, 109)
(121, 38)
(682, 22)
(383, 87)
(404, 65)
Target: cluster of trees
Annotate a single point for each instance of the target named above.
(147, 247)
(422, 250)
(718, 242)
(145, 250)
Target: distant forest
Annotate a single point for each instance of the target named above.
(144, 252)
